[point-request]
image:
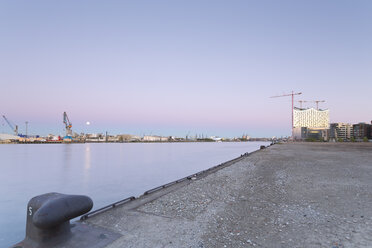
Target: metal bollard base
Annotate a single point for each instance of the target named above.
(82, 235)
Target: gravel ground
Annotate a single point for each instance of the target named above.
(288, 195)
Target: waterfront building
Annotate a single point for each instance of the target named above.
(362, 130)
(310, 123)
(154, 138)
(342, 131)
(95, 137)
(301, 133)
(311, 118)
(8, 137)
(128, 138)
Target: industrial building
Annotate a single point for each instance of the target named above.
(154, 138)
(8, 137)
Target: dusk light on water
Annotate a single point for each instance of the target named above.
(105, 172)
(166, 101)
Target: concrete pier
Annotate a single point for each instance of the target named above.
(287, 195)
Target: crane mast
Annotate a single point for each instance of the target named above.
(301, 101)
(68, 125)
(317, 103)
(292, 94)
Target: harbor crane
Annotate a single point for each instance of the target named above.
(292, 94)
(68, 125)
(14, 129)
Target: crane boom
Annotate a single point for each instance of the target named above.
(292, 94)
(15, 130)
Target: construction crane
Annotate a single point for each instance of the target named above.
(68, 126)
(14, 129)
(301, 101)
(292, 94)
(317, 103)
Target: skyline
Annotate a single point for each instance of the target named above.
(169, 68)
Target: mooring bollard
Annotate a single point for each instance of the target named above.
(48, 219)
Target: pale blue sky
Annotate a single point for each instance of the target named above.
(173, 67)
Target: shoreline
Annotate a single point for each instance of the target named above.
(282, 196)
(131, 142)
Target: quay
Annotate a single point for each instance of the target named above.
(285, 195)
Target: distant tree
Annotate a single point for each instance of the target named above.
(352, 139)
(340, 140)
(365, 139)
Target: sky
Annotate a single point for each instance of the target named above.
(182, 67)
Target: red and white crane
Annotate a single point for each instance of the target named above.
(292, 94)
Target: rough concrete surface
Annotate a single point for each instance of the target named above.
(288, 195)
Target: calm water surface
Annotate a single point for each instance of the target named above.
(105, 172)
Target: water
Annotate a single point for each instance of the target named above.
(105, 172)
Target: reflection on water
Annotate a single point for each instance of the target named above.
(66, 155)
(105, 172)
(87, 157)
(87, 163)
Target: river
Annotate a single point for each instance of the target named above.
(106, 172)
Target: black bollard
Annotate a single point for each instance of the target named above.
(48, 224)
(48, 218)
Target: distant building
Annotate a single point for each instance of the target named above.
(310, 123)
(95, 137)
(301, 133)
(342, 131)
(310, 118)
(52, 137)
(128, 138)
(154, 138)
(8, 137)
(362, 130)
